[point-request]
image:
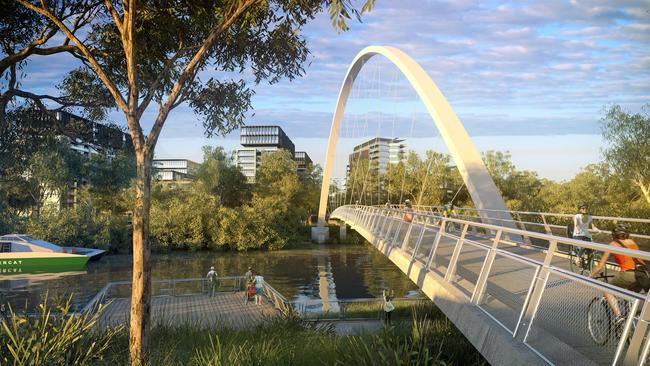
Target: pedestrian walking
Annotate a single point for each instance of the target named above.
(213, 282)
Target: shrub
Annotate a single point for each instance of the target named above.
(47, 339)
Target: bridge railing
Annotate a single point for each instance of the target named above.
(546, 222)
(532, 294)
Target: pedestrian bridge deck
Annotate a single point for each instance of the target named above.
(225, 309)
(516, 303)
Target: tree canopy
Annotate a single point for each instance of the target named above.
(628, 145)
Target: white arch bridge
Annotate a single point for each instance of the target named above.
(508, 289)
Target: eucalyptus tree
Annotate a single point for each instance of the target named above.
(628, 145)
(141, 52)
(26, 35)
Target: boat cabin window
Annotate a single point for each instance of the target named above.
(25, 237)
(5, 247)
(9, 237)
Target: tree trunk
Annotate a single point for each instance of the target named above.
(645, 190)
(141, 293)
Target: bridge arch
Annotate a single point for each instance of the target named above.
(480, 185)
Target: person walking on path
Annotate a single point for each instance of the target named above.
(213, 282)
(388, 306)
(259, 289)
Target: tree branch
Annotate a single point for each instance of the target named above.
(188, 73)
(154, 86)
(114, 14)
(112, 88)
(44, 36)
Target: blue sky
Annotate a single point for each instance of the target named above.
(518, 74)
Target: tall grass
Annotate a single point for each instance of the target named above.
(428, 338)
(53, 338)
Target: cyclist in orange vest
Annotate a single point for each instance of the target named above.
(625, 277)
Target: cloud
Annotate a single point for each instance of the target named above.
(537, 67)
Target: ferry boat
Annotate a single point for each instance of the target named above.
(20, 252)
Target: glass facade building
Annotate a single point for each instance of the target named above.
(302, 160)
(260, 139)
(380, 151)
(166, 170)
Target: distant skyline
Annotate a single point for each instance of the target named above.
(576, 152)
(512, 70)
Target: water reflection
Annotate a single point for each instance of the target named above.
(317, 275)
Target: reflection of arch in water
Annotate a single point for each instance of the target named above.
(482, 189)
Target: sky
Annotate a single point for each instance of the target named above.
(529, 77)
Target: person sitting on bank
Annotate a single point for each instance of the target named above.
(213, 282)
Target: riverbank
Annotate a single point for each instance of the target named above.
(425, 337)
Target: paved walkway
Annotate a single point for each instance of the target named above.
(560, 327)
(226, 309)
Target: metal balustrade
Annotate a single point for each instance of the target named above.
(531, 293)
(544, 223)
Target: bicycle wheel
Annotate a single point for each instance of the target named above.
(599, 320)
(595, 258)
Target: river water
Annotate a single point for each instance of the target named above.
(304, 273)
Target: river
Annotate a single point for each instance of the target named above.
(302, 273)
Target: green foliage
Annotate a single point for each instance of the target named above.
(520, 189)
(108, 179)
(221, 178)
(628, 145)
(427, 339)
(221, 211)
(429, 181)
(82, 226)
(53, 338)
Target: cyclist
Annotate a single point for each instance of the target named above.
(449, 212)
(408, 211)
(582, 221)
(625, 276)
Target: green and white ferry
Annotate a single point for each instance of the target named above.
(20, 253)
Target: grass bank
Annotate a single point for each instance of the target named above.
(426, 338)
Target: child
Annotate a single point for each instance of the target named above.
(388, 306)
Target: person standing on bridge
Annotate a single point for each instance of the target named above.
(213, 282)
(408, 211)
(259, 289)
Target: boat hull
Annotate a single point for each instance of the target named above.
(13, 263)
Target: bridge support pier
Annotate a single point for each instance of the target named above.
(320, 234)
(343, 231)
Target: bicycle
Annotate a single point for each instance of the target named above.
(602, 323)
(581, 260)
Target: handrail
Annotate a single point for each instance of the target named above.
(536, 283)
(546, 214)
(543, 215)
(507, 230)
(544, 224)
